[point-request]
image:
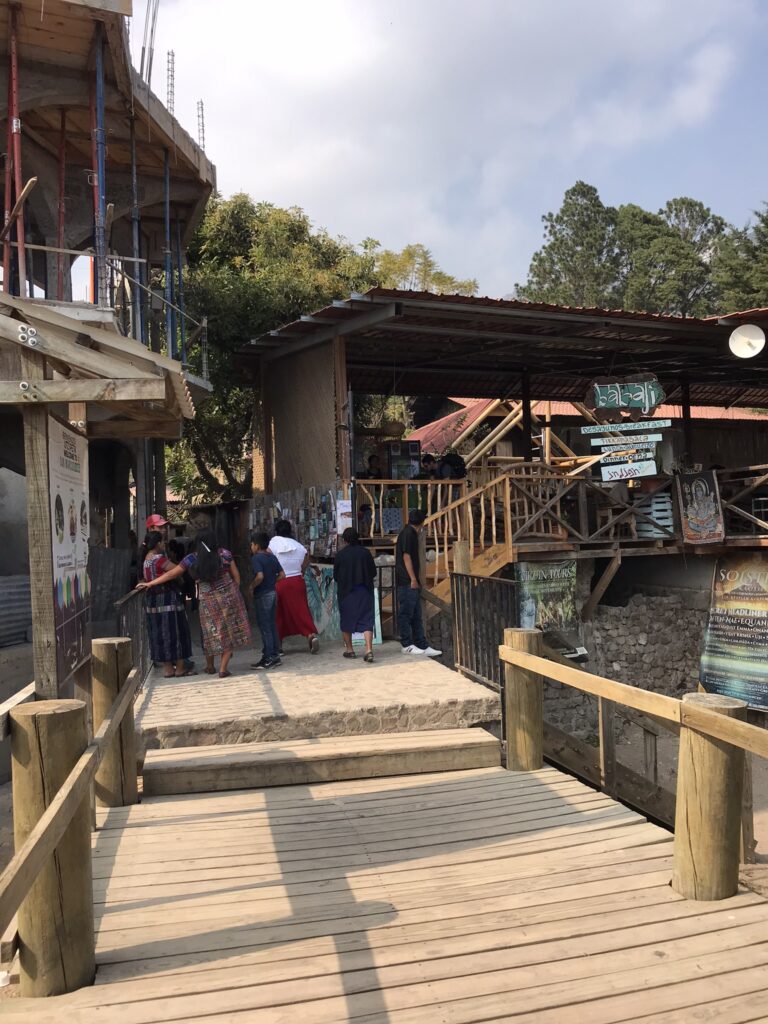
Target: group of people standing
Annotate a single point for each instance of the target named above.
(279, 596)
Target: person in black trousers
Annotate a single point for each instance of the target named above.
(407, 569)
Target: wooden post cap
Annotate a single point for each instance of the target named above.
(715, 702)
(109, 641)
(35, 708)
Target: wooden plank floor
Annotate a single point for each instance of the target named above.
(449, 898)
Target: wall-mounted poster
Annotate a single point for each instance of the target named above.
(735, 657)
(701, 514)
(546, 595)
(70, 528)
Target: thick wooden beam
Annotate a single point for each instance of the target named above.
(169, 430)
(525, 381)
(342, 411)
(30, 392)
(602, 585)
(39, 533)
(524, 705)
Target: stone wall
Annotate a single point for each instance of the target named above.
(652, 641)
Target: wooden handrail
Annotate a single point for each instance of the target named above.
(27, 863)
(730, 730)
(22, 697)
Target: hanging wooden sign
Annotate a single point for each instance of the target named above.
(637, 396)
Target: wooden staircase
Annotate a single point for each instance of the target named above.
(329, 759)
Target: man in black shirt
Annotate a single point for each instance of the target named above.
(407, 568)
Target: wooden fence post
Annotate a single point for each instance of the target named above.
(115, 781)
(461, 556)
(56, 935)
(708, 815)
(524, 705)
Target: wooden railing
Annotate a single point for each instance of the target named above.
(49, 880)
(132, 623)
(713, 741)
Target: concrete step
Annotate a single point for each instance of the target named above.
(328, 759)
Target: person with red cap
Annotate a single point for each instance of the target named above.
(159, 523)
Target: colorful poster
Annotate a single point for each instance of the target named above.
(70, 529)
(735, 658)
(324, 606)
(701, 515)
(343, 515)
(546, 595)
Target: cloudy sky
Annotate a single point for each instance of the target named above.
(457, 123)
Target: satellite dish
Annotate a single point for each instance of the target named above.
(747, 341)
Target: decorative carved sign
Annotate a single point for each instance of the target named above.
(637, 396)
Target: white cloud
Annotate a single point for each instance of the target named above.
(433, 120)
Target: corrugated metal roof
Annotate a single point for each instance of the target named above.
(15, 609)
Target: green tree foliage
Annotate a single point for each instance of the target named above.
(578, 263)
(627, 257)
(252, 266)
(414, 268)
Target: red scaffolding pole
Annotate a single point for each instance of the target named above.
(13, 114)
(62, 206)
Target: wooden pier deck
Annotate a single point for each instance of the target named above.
(454, 897)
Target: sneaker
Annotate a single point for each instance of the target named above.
(272, 663)
(260, 663)
(431, 652)
(314, 644)
(412, 649)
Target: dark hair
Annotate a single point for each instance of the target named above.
(283, 528)
(372, 456)
(150, 542)
(176, 549)
(417, 516)
(260, 538)
(208, 557)
(428, 458)
(351, 536)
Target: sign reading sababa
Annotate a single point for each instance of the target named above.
(735, 658)
(637, 397)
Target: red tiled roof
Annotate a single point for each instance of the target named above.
(440, 434)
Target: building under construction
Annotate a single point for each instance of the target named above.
(103, 187)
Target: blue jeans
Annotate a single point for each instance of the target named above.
(266, 614)
(409, 620)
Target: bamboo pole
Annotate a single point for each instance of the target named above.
(709, 800)
(468, 431)
(56, 936)
(116, 778)
(524, 705)
(509, 421)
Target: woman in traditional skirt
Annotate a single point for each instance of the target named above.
(293, 615)
(355, 573)
(167, 625)
(223, 619)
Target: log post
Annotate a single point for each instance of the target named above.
(116, 776)
(56, 935)
(461, 556)
(524, 705)
(708, 815)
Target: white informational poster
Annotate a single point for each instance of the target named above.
(343, 514)
(70, 528)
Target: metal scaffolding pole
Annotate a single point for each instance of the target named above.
(138, 326)
(62, 204)
(15, 120)
(102, 276)
(170, 314)
(180, 294)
